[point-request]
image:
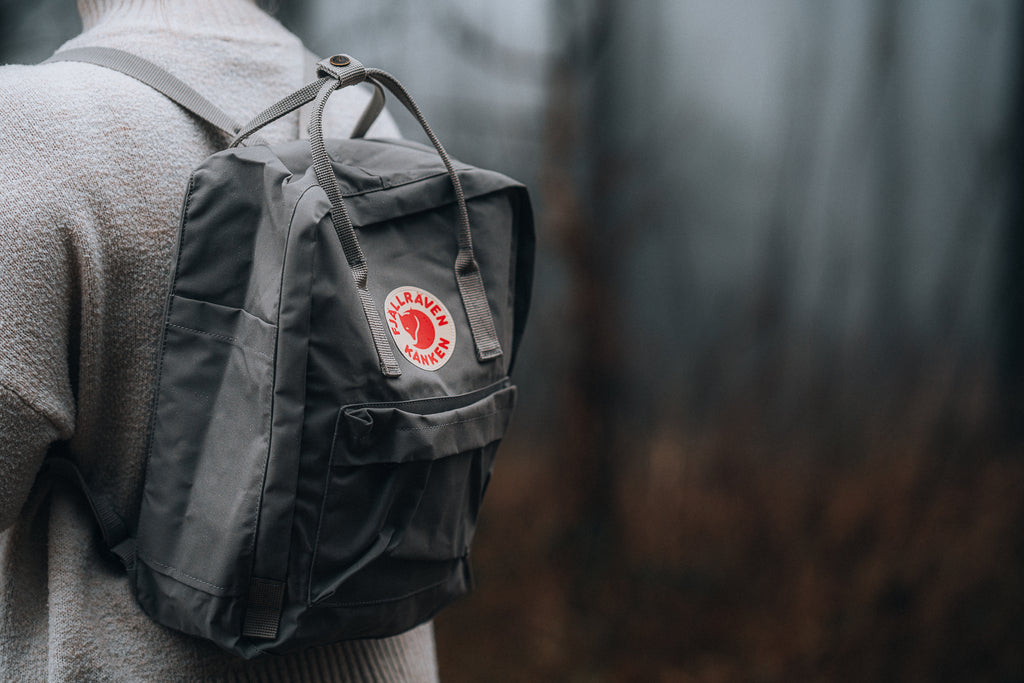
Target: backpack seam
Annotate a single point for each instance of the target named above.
(258, 513)
(449, 424)
(327, 602)
(189, 191)
(171, 568)
(234, 341)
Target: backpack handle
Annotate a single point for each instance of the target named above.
(340, 71)
(467, 271)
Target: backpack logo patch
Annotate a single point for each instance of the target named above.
(421, 325)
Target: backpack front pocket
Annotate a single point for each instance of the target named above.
(403, 493)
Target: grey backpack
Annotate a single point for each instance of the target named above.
(333, 381)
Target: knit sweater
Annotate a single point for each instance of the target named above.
(93, 172)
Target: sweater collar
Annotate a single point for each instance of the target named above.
(212, 17)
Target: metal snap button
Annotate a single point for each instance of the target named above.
(340, 60)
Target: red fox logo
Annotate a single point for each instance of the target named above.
(422, 327)
(419, 326)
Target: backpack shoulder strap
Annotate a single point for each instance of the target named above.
(155, 77)
(59, 465)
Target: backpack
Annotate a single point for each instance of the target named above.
(333, 380)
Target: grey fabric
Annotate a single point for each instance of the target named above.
(99, 242)
(288, 104)
(309, 74)
(59, 466)
(302, 485)
(294, 460)
(467, 270)
(340, 71)
(155, 77)
(305, 483)
(370, 114)
(343, 225)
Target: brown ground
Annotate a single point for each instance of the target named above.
(740, 555)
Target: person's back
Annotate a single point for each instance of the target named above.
(94, 173)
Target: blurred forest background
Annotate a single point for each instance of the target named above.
(771, 393)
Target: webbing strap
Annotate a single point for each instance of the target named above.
(332, 78)
(343, 227)
(303, 96)
(373, 109)
(263, 610)
(156, 78)
(467, 271)
(112, 527)
(308, 71)
(282, 107)
(340, 71)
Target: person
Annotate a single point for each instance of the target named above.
(94, 170)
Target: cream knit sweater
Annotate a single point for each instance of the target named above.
(94, 166)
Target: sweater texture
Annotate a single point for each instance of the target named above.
(93, 175)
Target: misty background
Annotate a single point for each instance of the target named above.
(770, 422)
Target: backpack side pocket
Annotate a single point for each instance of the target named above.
(209, 450)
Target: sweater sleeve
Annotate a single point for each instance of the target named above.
(36, 290)
(36, 404)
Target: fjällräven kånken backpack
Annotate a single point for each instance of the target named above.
(333, 379)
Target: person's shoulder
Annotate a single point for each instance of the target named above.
(53, 118)
(55, 101)
(26, 92)
(56, 85)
